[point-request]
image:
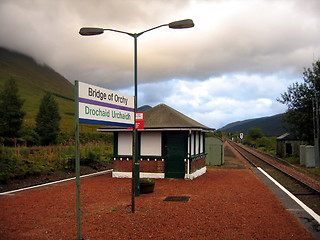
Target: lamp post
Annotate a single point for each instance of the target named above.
(88, 31)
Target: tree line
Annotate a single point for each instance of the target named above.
(11, 115)
(301, 99)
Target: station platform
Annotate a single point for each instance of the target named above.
(232, 201)
(221, 204)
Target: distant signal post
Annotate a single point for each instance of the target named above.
(241, 137)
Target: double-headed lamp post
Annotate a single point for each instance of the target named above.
(88, 31)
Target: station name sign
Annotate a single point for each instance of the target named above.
(104, 107)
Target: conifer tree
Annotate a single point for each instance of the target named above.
(47, 120)
(11, 114)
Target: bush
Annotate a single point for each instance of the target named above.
(23, 161)
(293, 160)
(29, 136)
(255, 133)
(269, 143)
(266, 144)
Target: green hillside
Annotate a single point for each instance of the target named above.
(270, 126)
(34, 80)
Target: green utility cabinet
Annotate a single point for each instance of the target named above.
(215, 150)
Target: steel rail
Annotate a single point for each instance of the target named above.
(270, 164)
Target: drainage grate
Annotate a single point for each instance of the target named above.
(177, 199)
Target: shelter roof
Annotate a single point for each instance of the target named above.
(287, 136)
(164, 117)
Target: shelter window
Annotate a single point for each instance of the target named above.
(151, 144)
(125, 143)
(192, 144)
(197, 142)
(201, 143)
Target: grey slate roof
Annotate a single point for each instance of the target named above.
(163, 116)
(287, 136)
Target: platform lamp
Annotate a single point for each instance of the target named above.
(88, 31)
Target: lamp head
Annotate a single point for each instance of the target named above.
(88, 31)
(187, 23)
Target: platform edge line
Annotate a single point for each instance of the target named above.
(305, 207)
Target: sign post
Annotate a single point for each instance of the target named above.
(96, 105)
(77, 159)
(139, 124)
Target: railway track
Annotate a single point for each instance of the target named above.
(292, 180)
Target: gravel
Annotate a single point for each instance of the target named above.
(223, 204)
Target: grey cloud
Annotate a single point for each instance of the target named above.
(264, 37)
(271, 39)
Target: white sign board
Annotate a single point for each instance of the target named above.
(105, 107)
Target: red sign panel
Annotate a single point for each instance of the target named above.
(139, 120)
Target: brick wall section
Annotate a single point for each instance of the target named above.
(197, 164)
(154, 166)
(124, 165)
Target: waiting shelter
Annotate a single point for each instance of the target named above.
(171, 145)
(288, 145)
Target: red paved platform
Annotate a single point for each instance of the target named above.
(224, 204)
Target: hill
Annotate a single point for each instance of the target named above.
(270, 126)
(33, 81)
(143, 108)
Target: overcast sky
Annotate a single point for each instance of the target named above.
(235, 62)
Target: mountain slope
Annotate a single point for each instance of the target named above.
(33, 81)
(143, 108)
(270, 126)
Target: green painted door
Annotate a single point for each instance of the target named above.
(176, 147)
